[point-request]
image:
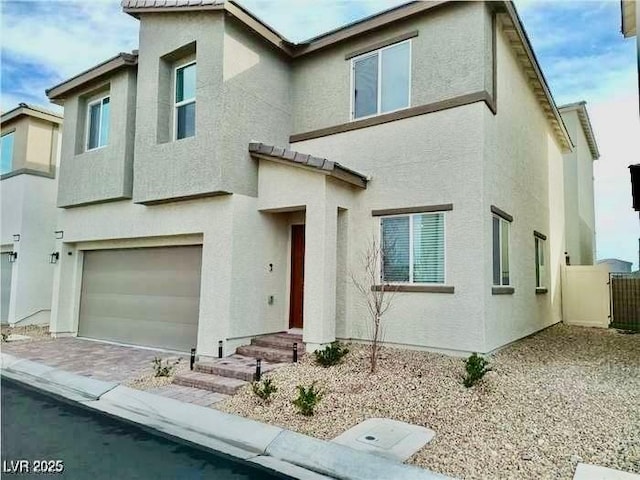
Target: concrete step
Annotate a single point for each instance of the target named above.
(266, 353)
(234, 366)
(207, 381)
(279, 341)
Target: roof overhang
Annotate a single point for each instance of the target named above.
(309, 162)
(629, 18)
(58, 93)
(24, 109)
(581, 109)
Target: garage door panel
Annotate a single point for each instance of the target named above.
(146, 296)
(180, 310)
(144, 332)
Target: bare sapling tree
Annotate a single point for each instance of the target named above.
(376, 294)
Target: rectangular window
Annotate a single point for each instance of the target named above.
(500, 251)
(185, 101)
(413, 248)
(540, 263)
(6, 150)
(98, 123)
(381, 80)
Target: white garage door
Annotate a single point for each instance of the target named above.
(143, 296)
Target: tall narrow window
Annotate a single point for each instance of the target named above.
(185, 101)
(500, 251)
(6, 150)
(98, 119)
(540, 262)
(381, 80)
(413, 248)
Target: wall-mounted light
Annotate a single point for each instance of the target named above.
(16, 237)
(54, 257)
(13, 256)
(59, 234)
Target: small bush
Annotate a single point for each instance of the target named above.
(331, 355)
(163, 369)
(264, 389)
(476, 366)
(5, 336)
(307, 399)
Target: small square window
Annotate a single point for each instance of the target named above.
(98, 118)
(185, 101)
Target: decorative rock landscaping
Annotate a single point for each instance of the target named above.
(563, 396)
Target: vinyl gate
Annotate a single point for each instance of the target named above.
(625, 301)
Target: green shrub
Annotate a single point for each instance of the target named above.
(264, 389)
(163, 369)
(307, 399)
(331, 355)
(5, 336)
(476, 366)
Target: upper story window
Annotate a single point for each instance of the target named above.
(413, 248)
(6, 152)
(381, 80)
(98, 119)
(500, 251)
(185, 101)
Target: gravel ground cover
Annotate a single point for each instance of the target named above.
(35, 332)
(149, 381)
(563, 396)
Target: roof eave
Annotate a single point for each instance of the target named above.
(25, 110)
(585, 122)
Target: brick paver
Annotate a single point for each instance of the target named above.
(104, 361)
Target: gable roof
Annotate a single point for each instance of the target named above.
(320, 165)
(31, 111)
(58, 92)
(585, 122)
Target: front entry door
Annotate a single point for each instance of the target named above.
(296, 297)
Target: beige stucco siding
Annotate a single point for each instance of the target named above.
(41, 145)
(523, 175)
(102, 174)
(409, 168)
(444, 64)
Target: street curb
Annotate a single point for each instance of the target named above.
(282, 450)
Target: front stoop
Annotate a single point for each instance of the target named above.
(227, 375)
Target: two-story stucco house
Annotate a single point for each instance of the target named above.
(222, 183)
(30, 153)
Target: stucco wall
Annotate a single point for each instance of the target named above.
(448, 59)
(409, 168)
(28, 209)
(41, 145)
(523, 175)
(102, 174)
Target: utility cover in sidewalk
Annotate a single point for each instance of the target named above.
(389, 438)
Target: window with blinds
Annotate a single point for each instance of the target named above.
(500, 251)
(413, 248)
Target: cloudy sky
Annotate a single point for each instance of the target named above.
(582, 53)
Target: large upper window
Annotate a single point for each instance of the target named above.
(540, 262)
(6, 151)
(98, 123)
(500, 251)
(413, 248)
(381, 80)
(185, 101)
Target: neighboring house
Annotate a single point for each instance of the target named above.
(615, 265)
(222, 182)
(30, 154)
(630, 16)
(580, 223)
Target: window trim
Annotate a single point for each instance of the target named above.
(88, 123)
(176, 105)
(444, 242)
(541, 280)
(501, 219)
(352, 107)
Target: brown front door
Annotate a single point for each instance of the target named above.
(296, 298)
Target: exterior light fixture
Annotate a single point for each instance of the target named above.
(59, 234)
(16, 237)
(258, 369)
(192, 360)
(13, 256)
(54, 257)
(295, 352)
(220, 349)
